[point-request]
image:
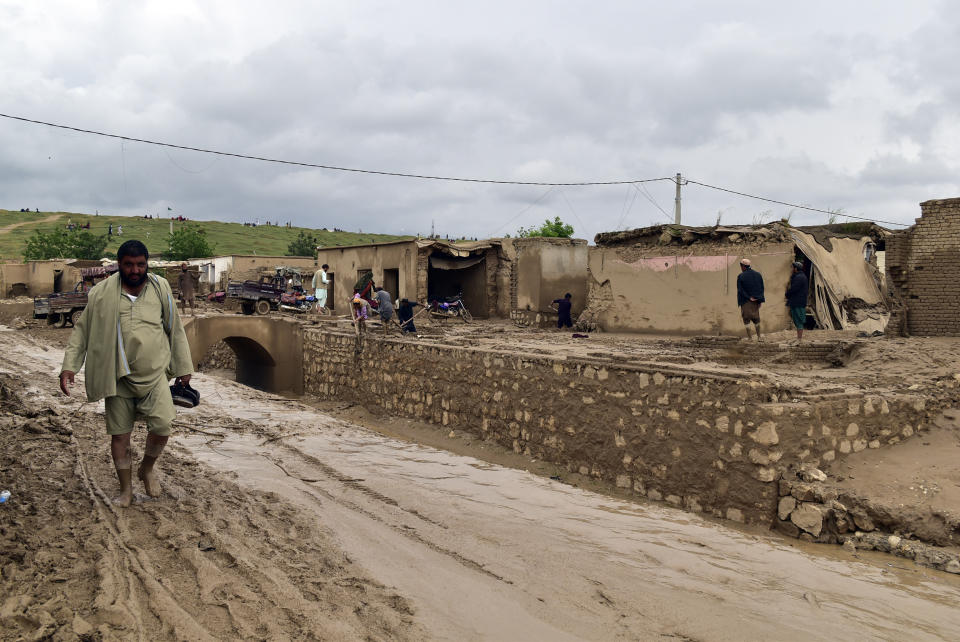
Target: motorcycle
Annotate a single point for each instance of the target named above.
(450, 307)
(297, 302)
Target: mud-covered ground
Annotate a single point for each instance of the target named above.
(281, 521)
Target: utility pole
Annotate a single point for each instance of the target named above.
(676, 202)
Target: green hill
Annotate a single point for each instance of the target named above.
(226, 238)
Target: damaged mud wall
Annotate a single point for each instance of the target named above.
(707, 442)
(690, 290)
(542, 270)
(923, 271)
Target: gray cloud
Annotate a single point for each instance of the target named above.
(757, 99)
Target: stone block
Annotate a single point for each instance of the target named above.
(786, 506)
(808, 517)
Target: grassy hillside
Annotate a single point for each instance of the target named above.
(226, 238)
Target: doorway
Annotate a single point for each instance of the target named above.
(391, 283)
(331, 295)
(448, 276)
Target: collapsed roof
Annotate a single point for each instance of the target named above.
(778, 231)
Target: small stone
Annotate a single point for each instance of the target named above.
(862, 521)
(849, 546)
(654, 494)
(81, 627)
(785, 507)
(894, 541)
(809, 518)
(813, 475)
(953, 566)
(735, 515)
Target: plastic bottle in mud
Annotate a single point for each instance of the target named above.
(4, 496)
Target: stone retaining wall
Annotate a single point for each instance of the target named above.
(709, 442)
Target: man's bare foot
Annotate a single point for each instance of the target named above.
(124, 499)
(149, 479)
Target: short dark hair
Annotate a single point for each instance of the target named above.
(132, 248)
(324, 266)
(567, 296)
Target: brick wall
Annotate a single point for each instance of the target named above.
(704, 441)
(923, 271)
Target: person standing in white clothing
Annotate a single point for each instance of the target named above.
(320, 281)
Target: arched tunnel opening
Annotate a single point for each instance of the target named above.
(255, 366)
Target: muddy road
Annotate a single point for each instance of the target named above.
(278, 520)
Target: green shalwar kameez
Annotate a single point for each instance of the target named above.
(148, 348)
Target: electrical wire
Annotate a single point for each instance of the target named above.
(799, 207)
(331, 167)
(633, 182)
(649, 197)
(524, 210)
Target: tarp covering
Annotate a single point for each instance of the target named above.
(463, 249)
(444, 263)
(843, 275)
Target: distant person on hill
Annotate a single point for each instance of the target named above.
(187, 290)
(110, 230)
(563, 311)
(131, 342)
(750, 296)
(796, 296)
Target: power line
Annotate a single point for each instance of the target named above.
(800, 207)
(524, 210)
(330, 167)
(633, 182)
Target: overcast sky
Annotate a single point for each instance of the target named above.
(833, 105)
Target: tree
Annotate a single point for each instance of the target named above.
(188, 242)
(64, 244)
(554, 229)
(304, 245)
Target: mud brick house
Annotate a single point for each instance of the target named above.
(497, 277)
(923, 271)
(34, 278)
(681, 279)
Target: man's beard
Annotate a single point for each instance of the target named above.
(133, 280)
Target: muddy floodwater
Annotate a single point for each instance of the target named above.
(488, 552)
(484, 552)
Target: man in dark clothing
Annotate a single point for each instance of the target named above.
(563, 311)
(797, 298)
(750, 296)
(405, 315)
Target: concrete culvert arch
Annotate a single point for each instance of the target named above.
(268, 350)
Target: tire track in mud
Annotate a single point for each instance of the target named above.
(376, 513)
(208, 560)
(163, 604)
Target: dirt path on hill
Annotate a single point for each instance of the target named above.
(279, 521)
(13, 226)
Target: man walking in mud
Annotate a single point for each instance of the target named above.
(750, 296)
(132, 341)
